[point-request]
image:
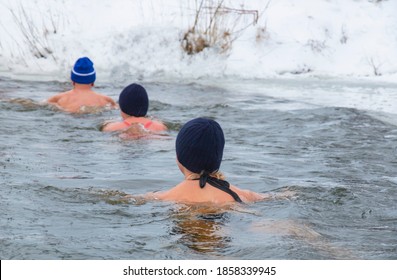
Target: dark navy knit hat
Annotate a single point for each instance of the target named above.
(134, 101)
(199, 145)
(83, 71)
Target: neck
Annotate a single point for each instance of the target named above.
(130, 118)
(191, 176)
(194, 176)
(82, 86)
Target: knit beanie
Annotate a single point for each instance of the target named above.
(83, 71)
(199, 145)
(134, 101)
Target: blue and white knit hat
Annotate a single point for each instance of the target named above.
(83, 71)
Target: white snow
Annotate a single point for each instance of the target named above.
(134, 39)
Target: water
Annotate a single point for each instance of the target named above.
(332, 143)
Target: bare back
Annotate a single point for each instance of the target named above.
(189, 191)
(150, 125)
(74, 100)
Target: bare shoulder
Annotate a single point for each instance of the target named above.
(158, 125)
(162, 195)
(105, 97)
(254, 196)
(108, 99)
(157, 195)
(176, 193)
(111, 101)
(56, 97)
(112, 126)
(249, 196)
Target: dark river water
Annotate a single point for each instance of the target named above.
(332, 144)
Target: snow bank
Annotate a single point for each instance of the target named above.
(134, 39)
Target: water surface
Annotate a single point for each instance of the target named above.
(333, 143)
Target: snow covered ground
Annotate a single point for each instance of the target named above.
(133, 39)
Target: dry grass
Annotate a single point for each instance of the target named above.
(216, 25)
(34, 35)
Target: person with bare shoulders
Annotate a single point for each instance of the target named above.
(134, 104)
(199, 151)
(82, 99)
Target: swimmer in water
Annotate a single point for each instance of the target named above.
(134, 104)
(81, 98)
(199, 151)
